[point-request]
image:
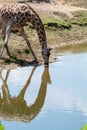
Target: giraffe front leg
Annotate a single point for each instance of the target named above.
(3, 37)
(28, 43)
(8, 52)
(1, 51)
(8, 29)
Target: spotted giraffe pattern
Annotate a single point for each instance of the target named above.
(15, 16)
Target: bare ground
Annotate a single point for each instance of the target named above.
(22, 57)
(58, 6)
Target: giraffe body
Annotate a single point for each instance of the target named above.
(15, 17)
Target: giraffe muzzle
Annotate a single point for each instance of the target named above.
(46, 64)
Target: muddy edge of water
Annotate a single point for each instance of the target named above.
(8, 63)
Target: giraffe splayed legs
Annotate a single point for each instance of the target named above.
(5, 39)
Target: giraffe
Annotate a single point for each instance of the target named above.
(14, 17)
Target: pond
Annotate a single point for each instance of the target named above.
(41, 98)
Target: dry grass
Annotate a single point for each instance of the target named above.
(9, 1)
(79, 3)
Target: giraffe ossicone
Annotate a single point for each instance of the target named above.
(14, 17)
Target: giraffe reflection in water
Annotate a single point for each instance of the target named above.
(16, 108)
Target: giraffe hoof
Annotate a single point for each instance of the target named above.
(46, 64)
(36, 62)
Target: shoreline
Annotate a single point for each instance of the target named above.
(53, 57)
(74, 42)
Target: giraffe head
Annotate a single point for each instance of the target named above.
(46, 55)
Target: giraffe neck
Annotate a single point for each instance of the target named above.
(38, 25)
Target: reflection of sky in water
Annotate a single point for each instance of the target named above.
(70, 83)
(65, 105)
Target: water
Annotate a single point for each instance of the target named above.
(39, 98)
